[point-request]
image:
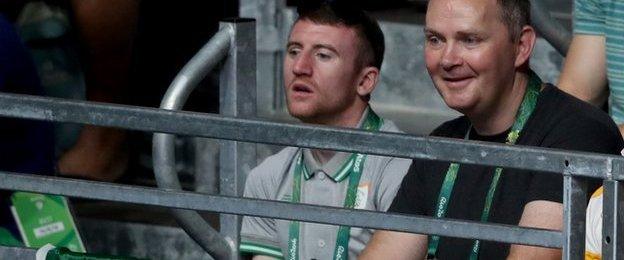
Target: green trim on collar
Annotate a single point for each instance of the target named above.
(339, 176)
(371, 122)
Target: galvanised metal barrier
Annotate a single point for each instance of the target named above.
(573, 165)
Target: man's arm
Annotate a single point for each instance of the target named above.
(259, 239)
(395, 245)
(584, 73)
(539, 214)
(408, 200)
(388, 184)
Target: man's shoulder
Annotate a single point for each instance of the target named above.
(264, 180)
(274, 165)
(563, 121)
(390, 126)
(575, 105)
(565, 107)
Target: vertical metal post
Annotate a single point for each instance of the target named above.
(237, 99)
(271, 39)
(574, 207)
(612, 220)
(206, 165)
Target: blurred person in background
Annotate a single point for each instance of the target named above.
(131, 51)
(26, 146)
(594, 72)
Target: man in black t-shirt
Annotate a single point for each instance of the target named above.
(477, 53)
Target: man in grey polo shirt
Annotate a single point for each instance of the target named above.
(334, 54)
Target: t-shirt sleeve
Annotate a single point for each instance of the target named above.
(410, 198)
(546, 186)
(589, 135)
(392, 176)
(259, 235)
(589, 17)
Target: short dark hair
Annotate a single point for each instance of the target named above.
(371, 38)
(515, 14)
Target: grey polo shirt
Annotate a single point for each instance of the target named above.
(273, 180)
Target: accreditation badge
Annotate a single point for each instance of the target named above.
(44, 219)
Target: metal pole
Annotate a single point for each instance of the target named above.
(163, 144)
(311, 136)
(282, 210)
(17, 252)
(612, 220)
(574, 196)
(238, 99)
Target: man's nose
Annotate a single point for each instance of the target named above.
(302, 65)
(451, 56)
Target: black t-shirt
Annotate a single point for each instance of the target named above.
(559, 121)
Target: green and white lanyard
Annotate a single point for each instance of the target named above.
(352, 168)
(526, 108)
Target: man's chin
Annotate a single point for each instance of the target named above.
(459, 105)
(300, 113)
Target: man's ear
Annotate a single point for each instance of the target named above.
(526, 43)
(368, 80)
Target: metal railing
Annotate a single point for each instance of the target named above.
(238, 74)
(234, 42)
(572, 165)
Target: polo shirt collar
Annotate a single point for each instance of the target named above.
(334, 167)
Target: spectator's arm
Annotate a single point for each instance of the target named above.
(106, 31)
(395, 245)
(539, 214)
(584, 73)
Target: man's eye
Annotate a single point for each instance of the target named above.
(293, 52)
(472, 40)
(433, 40)
(323, 56)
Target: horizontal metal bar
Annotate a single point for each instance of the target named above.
(280, 210)
(8, 252)
(342, 139)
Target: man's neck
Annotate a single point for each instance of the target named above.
(349, 119)
(501, 115)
